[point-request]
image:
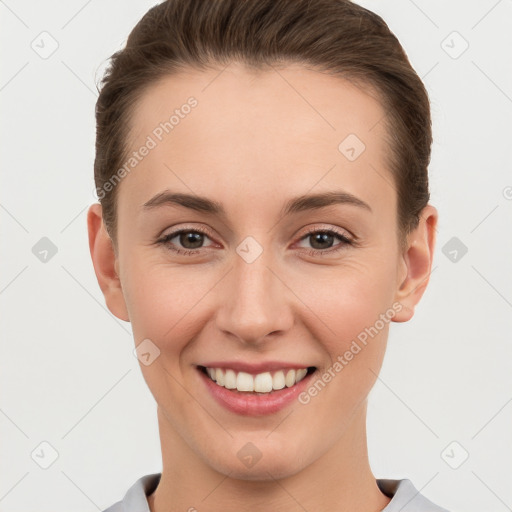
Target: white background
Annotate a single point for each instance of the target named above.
(68, 375)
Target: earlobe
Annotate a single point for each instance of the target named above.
(417, 264)
(105, 262)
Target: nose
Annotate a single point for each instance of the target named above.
(254, 301)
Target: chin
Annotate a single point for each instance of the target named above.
(251, 464)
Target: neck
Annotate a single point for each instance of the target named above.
(339, 480)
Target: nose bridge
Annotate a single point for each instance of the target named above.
(253, 304)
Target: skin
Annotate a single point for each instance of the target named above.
(252, 143)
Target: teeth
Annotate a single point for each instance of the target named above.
(244, 381)
(263, 383)
(278, 381)
(301, 374)
(290, 378)
(260, 383)
(230, 379)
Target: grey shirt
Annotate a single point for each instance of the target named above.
(403, 494)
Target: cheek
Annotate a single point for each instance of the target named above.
(163, 304)
(346, 300)
(162, 300)
(355, 310)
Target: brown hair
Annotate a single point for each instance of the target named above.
(334, 36)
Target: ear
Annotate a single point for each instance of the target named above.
(416, 264)
(105, 263)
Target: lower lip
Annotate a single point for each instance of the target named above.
(252, 404)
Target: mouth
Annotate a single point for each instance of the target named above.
(264, 383)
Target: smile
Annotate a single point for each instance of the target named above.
(255, 389)
(264, 382)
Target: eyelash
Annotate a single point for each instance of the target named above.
(311, 252)
(332, 250)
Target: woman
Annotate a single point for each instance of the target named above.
(262, 172)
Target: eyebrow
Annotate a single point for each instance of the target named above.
(295, 205)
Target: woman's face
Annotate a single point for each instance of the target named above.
(252, 290)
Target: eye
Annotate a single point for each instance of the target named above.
(190, 240)
(322, 241)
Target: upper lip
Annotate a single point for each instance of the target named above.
(255, 368)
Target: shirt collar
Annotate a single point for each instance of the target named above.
(402, 493)
(405, 497)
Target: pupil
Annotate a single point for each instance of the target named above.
(195, 238)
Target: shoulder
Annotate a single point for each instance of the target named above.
(135, 499)
(405, 497)
(116, 507)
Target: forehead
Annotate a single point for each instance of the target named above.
(279, 129)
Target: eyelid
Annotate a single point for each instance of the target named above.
(329, 229)
(176, 230)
